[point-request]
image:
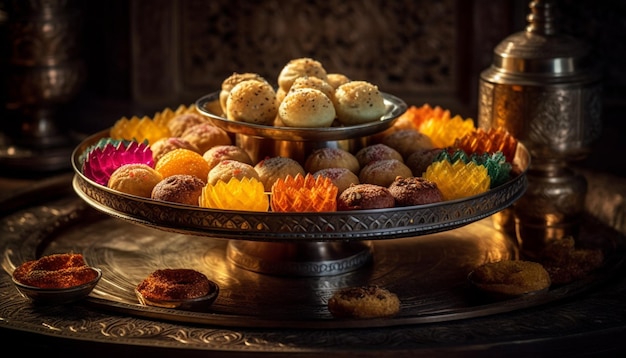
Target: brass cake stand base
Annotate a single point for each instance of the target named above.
(300, 258)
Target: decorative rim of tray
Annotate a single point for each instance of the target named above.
(376, 224)
(209, 106)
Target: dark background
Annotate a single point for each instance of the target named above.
(115, 86)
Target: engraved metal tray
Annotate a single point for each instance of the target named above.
(428, 272)
(327, 226)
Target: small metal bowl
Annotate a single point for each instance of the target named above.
(58, 295)
(189, 304)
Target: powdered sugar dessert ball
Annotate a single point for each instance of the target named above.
(331, 158)
(134, 179)
(306, 108)
(376, 152)
(226, 152)
(384, 172)
(359, 102)
(274, 168)
(253, 102)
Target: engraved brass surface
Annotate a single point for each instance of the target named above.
(291, 310)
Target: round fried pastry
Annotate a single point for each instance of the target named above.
(135, 179)
(306, 108)
(329, 157)
(359, 102)
(384, 172)
(364, 197)
(180, 188)
(411, 191)
(253, 102)
(364, 302)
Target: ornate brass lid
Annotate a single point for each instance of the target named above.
(541, 54)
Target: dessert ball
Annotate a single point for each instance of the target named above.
(226, 152)
(306, 108)
(359, 102)
(384, 172)
(233, 80)
(300, 67)
(376, 152)
(181, 122)
(183, 161)
(315, 83)
(414, 191)
(510, 278)
(341, 177)
(253, 102)
(323, 158)
(364, 302)
(364, 197)
(420, 160)
(337, 79)
(165, 145)
(407, 141)
(272, 168)
(135, 179)
(228, 169)
(179, 188)
(205, 136)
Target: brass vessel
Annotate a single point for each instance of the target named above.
(545, 89)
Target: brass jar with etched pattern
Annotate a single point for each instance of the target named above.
(545, 89)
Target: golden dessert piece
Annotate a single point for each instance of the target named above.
(510, 278)
(343, 178)
(329, 157)
(274, 168)
(135, 179)
(179, 188)
(206, 136)
(306, 108)
(304, 194)
(364, 197)
(411, 191)
(359, 102)
(337, 79)
(488, 141)
(183, 161)
(443, 132)
(458, 180)
(164, 145)
(226, 152)
(364, 302)
(415, 117)
(375, 152)
(181, 122)
(228, 169)
(139, 129)
(233, 80)
(384, 172)
(300, 67)
(407, 141)
(252, 101)
(236, 194)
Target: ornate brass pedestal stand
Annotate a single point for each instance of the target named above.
(543, 89)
